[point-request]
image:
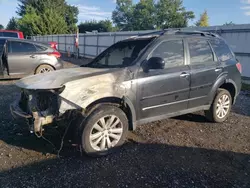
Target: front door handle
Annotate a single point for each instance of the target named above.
(218, 69)
(32, 56)
(184, 75)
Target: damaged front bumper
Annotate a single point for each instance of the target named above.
(17, 112)
(38, 108)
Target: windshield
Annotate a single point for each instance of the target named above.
(121, 54)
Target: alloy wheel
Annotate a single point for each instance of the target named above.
(106, 133)
(223, 106)
(44, 70)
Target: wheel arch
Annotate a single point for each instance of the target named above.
(224, 83)
(124, 103)
(231, 88)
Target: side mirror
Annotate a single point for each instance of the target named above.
(156, 63)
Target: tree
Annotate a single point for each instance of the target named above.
(203, 21)
(150, 14)
(13, 24)
(50, 22)
(71, 17)
(144, 15)
(172, 14)
(46, 9)
(101, 26)
(1, 26)
(122, 16)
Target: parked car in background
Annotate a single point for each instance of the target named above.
(26, 57)
(11, 33)
(19, 34)
(135, 81)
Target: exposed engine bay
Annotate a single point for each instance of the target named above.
(40, 108)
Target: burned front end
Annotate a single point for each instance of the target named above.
(59, 95)
(38, 107)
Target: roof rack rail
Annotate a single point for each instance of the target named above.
(160, 32)
(175, 31)
(151, 33)
(202, 33)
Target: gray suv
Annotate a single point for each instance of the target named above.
(139, 80)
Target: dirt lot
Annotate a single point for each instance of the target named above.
(181, 152)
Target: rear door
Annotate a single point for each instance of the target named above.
(205, 70)
(22, 57)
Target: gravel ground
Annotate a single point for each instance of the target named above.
(186, 151)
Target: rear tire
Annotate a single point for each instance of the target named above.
(44, 69)
(220, 108)
(104, 130)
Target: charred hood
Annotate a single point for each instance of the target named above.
(57, 79)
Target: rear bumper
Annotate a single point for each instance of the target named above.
(59, 64)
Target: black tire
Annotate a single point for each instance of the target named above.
(41, 69)
(211, 114)
(88, 124)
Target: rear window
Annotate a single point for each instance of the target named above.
(222, 50)
(20, 47)
(9, 34)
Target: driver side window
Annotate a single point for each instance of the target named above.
(172, 52)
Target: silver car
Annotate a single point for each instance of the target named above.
(24, 57)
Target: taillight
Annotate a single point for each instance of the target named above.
(53, 45)
(238, 65)
(55, 53)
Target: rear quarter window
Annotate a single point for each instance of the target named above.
(40, 48)
(221, 49)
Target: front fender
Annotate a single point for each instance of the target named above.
(84, 92)
(128, 102)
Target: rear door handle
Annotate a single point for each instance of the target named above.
(184, 75)
(218, 69)
(32, 56)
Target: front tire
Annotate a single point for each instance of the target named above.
(221, 107)
(104, 130)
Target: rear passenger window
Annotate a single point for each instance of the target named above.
(172, 52)
(200, 52)
(222, 50)
(21, 47)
